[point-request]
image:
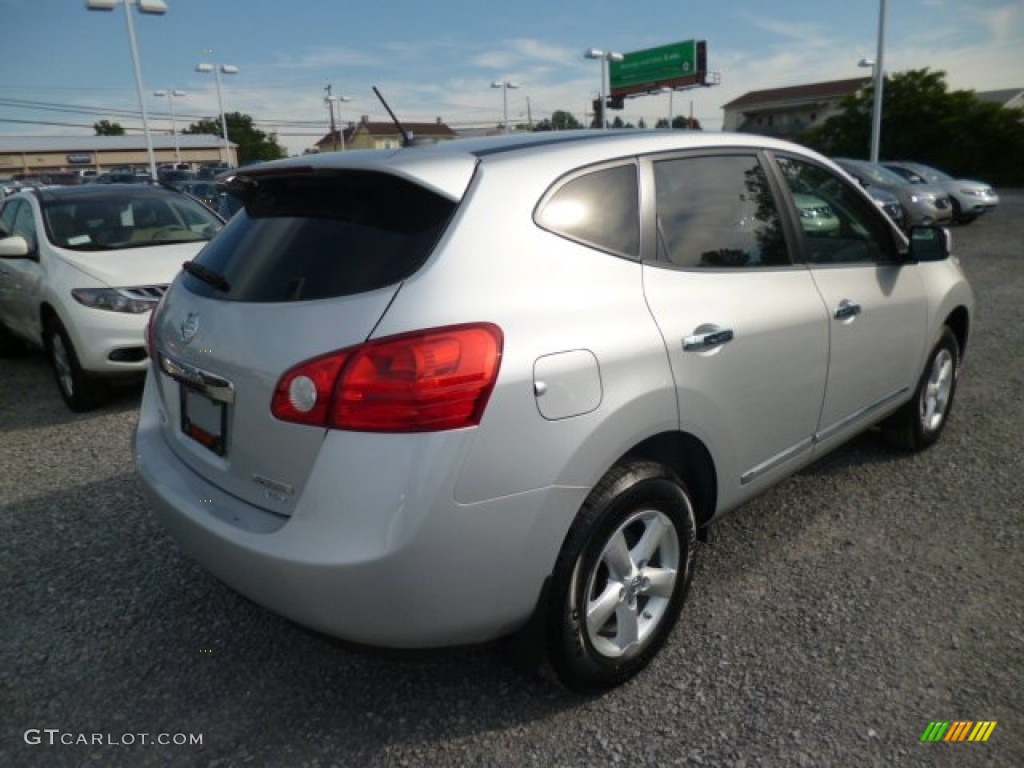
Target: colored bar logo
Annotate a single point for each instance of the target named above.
(959, 730)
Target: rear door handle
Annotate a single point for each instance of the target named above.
(701, 341)
(847, 309)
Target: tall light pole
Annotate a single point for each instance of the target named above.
(157, 8)
(605, 57)
(217, 69)
(671, 93)
(504, 85)
(329, 100)
(878, 70)
(172, 94)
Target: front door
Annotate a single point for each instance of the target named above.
(875, 304)
(745, 329)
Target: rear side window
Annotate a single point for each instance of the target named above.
(598, 208)
(717, 211)
(319, 236)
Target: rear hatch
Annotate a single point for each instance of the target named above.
(309, 267)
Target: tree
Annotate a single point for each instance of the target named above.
(107, 128)
(254, 145)
(680, 122)
(560, 121)
(922, 120)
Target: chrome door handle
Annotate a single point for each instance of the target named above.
(847, 309)
(707, 340)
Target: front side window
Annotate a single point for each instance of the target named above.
(839, 225)
(24, 224)
(7, 217)
(717, 211)
(599, 209)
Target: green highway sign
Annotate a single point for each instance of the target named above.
(672, 66)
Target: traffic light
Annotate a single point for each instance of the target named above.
(598, 113)
(616, 102)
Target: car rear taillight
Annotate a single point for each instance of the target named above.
(424, 381)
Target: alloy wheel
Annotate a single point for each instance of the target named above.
(937, 391)
(631, 584)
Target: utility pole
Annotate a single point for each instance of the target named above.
(529, 113)
(876, 107)
(330, 106)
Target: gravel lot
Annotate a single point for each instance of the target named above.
(829, 622)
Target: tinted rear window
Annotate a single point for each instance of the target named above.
(321, 236)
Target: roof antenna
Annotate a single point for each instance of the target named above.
(406, 138)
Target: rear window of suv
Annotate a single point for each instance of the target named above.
(323, 235)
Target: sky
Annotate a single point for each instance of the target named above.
(62, 68)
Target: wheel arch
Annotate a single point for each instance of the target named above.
(47, 313)
(689, 458)
(959, 323)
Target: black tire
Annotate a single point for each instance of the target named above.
(920, 421)
(633, 589)
(958, 214)
(79, 391)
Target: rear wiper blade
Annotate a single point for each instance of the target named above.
(215, 279)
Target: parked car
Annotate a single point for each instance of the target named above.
(80, 269)
(210, 172)
(203, 191)
(816, 216)
(450, 393)
(174, 175)
(969, 198)
(922, 203)
(889, 203)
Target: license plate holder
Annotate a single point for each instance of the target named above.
(204, 420)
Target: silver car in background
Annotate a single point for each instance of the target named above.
(447, 394)
(889, 203)
(922, 203)
(969, 198)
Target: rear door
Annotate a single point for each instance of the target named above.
(876, 304)
(308, 268)
(745, 329)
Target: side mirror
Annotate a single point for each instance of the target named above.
(15, 247)
(930, 243)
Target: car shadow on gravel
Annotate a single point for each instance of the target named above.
(29, 397)
(110, 628)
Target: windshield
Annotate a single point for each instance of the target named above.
(117, 222)
(930, 174)
(878, 174)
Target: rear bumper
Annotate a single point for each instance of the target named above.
(377, 555)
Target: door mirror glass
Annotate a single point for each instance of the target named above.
(930, 243)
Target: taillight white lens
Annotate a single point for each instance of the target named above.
(306, 403)
(302, 394)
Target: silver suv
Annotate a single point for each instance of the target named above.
(447, 394)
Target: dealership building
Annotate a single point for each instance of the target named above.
(30, 155)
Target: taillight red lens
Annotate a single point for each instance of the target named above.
(425, 381)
